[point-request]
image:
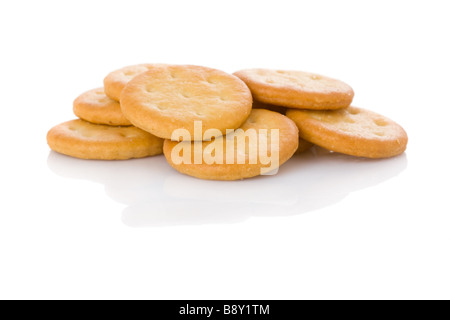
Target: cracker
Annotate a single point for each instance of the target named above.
(118, 79)
(81, 139)
(352, 131)
(297, 89)
(167, 98)
(258, 119)
(96, 107)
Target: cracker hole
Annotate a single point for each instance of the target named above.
(126, 135)
(281, 72)
(72, 129)
(100, 93)
(184, 95)
(149, 89)
(269, 81)
(197, 114)
(380, 134)
(380, 122)
(352, 111)
(210, 81)
(315, 77)
(129, 73)
(173, 75)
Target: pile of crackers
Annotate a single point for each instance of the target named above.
(152, 109)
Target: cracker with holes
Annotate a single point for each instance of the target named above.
(84, 140)
(264, 142)
(94, 106)
(167, 98)
(352, 131)
(118, 79)
(297, 89)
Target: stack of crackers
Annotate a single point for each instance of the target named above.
(187, 111)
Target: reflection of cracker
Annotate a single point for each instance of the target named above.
(94, 106)
(296, 89)
(258, 119)
(352, 131)
(81, 139)
(167, 98)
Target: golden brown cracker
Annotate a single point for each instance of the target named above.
(297, 89)
(353, 131)
(84, 140)
(167, 98)
(96, 107)
(258, 120)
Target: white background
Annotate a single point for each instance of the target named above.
(327, 226)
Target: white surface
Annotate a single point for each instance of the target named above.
(327, 226)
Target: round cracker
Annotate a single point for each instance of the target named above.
(167, 98)
(84, 140)
(258, 119)
(352, 131)
(96, 107)
(118, 79)
(297, 89)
